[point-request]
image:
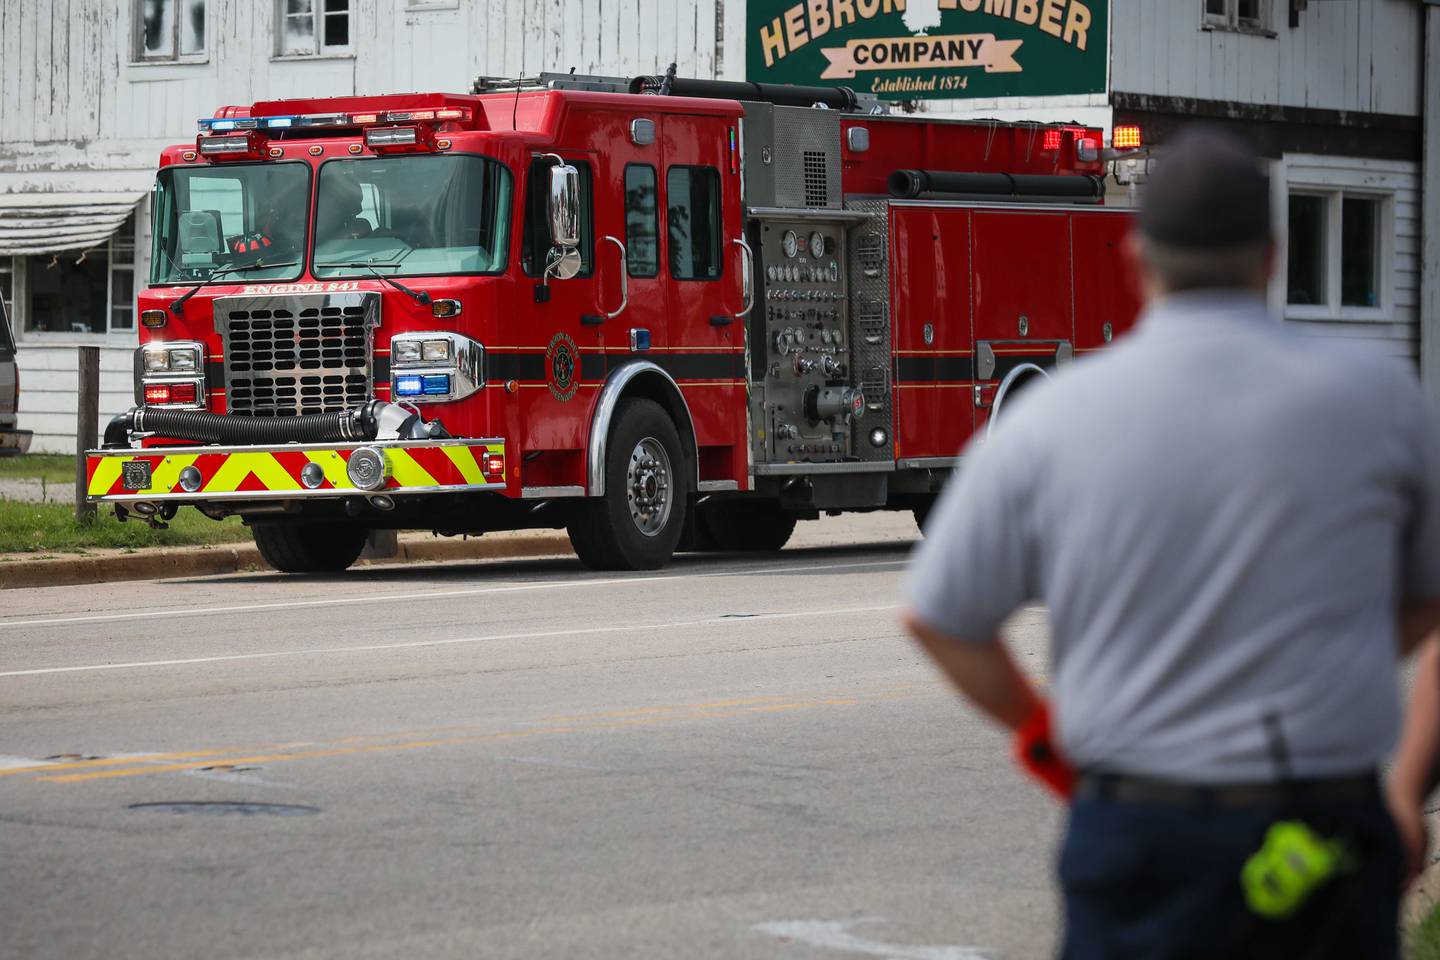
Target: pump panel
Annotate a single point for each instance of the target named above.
(809, 396)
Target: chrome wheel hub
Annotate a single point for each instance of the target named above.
(647, 486)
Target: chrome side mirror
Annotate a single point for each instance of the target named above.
(565, 206)
(564, 263)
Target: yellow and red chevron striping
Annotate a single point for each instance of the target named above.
(437, 466)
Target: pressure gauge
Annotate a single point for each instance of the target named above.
(790, 243)
(817, 244)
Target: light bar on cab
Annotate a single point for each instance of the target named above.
(228, 124)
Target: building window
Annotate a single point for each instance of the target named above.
(167, 30)
(83, 293)
(1250, 16)
(1336, 258)
(312, 27)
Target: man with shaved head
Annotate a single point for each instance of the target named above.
(1236, 530)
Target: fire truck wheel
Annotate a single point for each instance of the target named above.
(637, 524)
(744, 526)
(309, 547)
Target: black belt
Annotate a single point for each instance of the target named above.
(1119, 788)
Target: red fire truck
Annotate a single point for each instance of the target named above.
(660, 313)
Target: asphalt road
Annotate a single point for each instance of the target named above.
(735, 757)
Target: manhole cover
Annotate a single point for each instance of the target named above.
(227, 809)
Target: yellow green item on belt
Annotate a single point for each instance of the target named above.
(1292, 863)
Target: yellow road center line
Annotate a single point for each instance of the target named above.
(271, 758)
(228, 754)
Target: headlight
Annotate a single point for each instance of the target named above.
(162, 358)
(433, 367)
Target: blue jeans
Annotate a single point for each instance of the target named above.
(1148, 882)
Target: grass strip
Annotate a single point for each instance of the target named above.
(51, 527)
(50, 467)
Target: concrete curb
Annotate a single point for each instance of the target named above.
(207, 561)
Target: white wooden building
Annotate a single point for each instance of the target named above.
(1332, 91)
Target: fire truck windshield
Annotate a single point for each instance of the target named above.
(219, 220)
(412, 215)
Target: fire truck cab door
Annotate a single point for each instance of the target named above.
(629, 316)
(711, 281)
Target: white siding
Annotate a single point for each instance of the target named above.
(1361, 55)
(1395, 326)
(49, 382)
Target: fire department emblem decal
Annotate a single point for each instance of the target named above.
(562, 372)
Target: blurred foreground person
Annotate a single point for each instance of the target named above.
(1237, 533)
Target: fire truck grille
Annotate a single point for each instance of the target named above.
(287, 356)
(817, 185)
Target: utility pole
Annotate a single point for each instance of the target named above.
(87, 425)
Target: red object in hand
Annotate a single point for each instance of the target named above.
(1037, 754)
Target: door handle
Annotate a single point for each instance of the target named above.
(624, 279)
(747, 276)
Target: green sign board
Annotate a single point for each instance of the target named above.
(927, 49)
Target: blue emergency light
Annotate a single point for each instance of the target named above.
(437, 384)
(409, 386)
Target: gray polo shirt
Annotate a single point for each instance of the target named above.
(1222, 516)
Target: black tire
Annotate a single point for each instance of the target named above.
(743, 526)
(628, 529)
(309, 547)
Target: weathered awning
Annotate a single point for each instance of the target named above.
(52, 222)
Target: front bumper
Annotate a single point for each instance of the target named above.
(13, 443)
(279, 472)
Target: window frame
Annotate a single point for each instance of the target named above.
(158, 257)
(138, 57)
(20, 306)
(719, 226)
(659, 249)
(1333, 251)
(503, 217)
(317, 28)
(1231, 21)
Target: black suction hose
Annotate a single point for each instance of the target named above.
(781, 94)
(910, 184)
(358, 423)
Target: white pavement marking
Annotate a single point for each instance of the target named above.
(138, 615)
(829, 935)
(720, 621)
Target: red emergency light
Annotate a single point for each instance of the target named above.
(492, 465)
(1055, 136)
(157, 394)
